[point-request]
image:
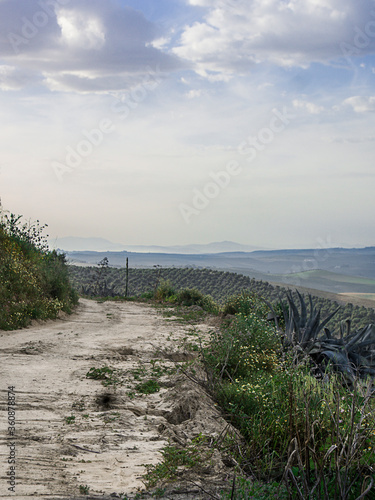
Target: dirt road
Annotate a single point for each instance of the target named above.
(72, 433)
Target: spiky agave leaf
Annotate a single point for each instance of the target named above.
(326, 320)
(300, 328)
(352, 353)
(340, 362)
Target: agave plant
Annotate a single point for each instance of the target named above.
(353, 354)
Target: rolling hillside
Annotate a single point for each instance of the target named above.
(220, 285)
(330, 270)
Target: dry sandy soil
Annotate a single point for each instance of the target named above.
(71, 430)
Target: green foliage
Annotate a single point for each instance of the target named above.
(185, 298)
(176, 459)
(70, 420)
(246, 302)
(164, 291)
(193, 297)
(250, 344)
(29, 236)
(183, 314)
(84, 490)
(149, 387)
(105, 374)
(139, 372)
(351, 354)
(244, 489)
(55, 280)
(313, 434)
(100, 282)
(34, 282)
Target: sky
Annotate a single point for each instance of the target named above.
(172, 122)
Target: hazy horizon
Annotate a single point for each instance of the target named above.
(95, 244)
(171, 122)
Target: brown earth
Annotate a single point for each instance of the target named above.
(72, 431)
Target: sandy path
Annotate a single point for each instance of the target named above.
(71, 431)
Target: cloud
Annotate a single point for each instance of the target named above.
(80, 46)
(192, 94)
(361, 104)
(160, 43)
(310, 107)
(237, 34)
(12, 78)
(79, 31)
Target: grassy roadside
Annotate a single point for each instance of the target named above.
(305, 436)
(34, 281)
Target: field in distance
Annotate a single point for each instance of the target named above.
(218, 284)
(328, 281)
(334, 270)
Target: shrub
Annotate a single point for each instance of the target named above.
(34, 282)
(192, 296)
(248, 346)
(246, 302)
(164, 291)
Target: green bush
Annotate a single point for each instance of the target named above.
(250, 345)
(164, 291)
(193, 297)
(55, 276)
(34, 282)
(246, 302)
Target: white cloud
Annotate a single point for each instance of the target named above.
(13, 79)
(79, 31)
(81, 46)
(192, 94)
(310, 107)
(160, 43)
(361, 104)
(236, 34)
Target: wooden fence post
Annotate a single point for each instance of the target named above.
(127, 276)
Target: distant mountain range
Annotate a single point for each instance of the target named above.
(76, 244)
(337, 270)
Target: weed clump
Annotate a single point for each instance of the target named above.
(107, 375)
(148, 387)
